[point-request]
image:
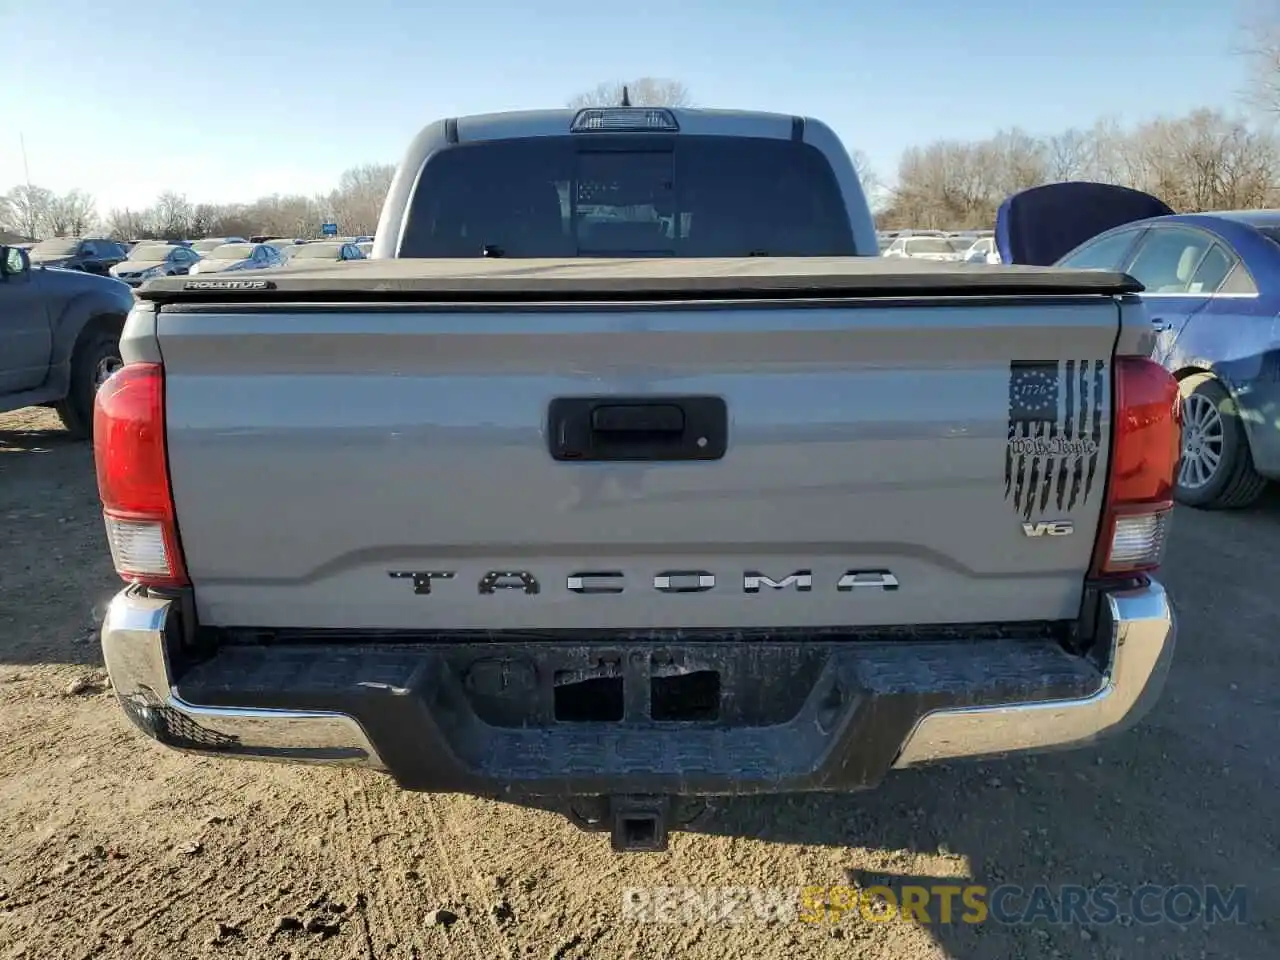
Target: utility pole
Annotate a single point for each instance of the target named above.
(26, 170)
(26, 174)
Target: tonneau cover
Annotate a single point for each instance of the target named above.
(657, 278)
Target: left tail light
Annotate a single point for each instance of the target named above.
(132, 462)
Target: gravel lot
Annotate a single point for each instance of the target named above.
(113, 847)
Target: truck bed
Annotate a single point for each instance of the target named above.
(373, 446)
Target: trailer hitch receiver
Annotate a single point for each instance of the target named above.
(639, 823)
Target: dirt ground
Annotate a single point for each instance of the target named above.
(111, 846)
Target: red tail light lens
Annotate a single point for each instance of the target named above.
(133, 477)
(1146, 445)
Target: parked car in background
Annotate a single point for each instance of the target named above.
(923, 248)
(59, 337)
(209, 243)
(983, 250)
(1212, 293)
(150, 260)
(90, 254)
(321, 251)
(366, 247)
(238, 256)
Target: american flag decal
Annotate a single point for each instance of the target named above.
(1055, 433)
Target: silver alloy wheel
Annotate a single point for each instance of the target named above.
(105, 368)
(1201, 442)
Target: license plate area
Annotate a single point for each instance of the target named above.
(696, 684)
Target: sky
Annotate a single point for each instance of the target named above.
(227, 100)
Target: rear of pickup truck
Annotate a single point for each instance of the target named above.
(613, 532)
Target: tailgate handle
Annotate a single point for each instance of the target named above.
(638, 418)
(651, 428)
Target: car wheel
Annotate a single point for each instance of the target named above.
(96, 357)
(1216, 468)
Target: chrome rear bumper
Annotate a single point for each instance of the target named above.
(135, 645)
(424, 734)
(1142, 639)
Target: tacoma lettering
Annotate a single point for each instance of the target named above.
(802, 580)
(867, 580)
(496, 580)
(596, 582)
(421, 578)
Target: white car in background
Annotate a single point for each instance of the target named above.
(923, 248)
(983, 251)
(209, 243)
(150, 260)
(321, 251)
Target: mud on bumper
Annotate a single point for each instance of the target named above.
(694, 717)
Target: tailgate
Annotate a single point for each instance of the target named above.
(885, 463)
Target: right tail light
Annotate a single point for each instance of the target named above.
(1146, 446)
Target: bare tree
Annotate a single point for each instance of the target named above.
(27, 209)
(230, 220)
(1016, 162)
(641, 92)
(172, 216)
(204, 220)
(949, 183)
(287, 215)
(1107, 146)
(1067, 156)
(1260, 46)
(72, 214)
(122, 223)
(1204, 161)
(357, 202)
(872, 185)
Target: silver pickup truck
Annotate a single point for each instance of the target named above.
(602, 490)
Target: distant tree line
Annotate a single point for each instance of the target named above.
(356, 202)
(1208, 159)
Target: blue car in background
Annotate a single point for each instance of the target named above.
(1213, 295)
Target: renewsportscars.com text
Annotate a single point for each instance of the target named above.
(938, 904)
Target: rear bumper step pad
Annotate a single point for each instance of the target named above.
(558, 718)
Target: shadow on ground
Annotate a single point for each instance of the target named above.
(36, 441)
(55, 570)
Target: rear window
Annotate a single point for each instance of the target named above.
(601, 196)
